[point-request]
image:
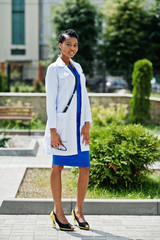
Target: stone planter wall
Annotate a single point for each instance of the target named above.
(38, 101)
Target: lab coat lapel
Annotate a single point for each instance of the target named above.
(75, 65)
(69, 71)
(60, 63)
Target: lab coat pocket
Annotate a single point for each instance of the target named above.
(63, 76)
(61, 125)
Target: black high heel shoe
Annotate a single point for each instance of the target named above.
(82, 225)
(63, 227)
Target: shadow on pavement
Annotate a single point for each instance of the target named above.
(99, 235)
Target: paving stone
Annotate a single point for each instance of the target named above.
(21, 217)
(15, 238)
(9, 221)
(4, 237)
(5, 232)
(29, 226)
(18, 226)
(22, 233)
(27, 237)
(9, 226)
(31, 217)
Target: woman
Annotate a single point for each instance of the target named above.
(67, 129)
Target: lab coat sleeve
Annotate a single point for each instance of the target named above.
(51, 85)
(88, 116)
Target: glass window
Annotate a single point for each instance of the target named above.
(18, 51)
(18, 22)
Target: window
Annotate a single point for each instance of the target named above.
(18, 22)
(18, 51)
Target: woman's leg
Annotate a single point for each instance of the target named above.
(56, 187)
(82, 185)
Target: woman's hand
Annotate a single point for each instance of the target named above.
(85, 133)
(55, 138)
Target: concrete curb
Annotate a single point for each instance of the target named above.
(91, 206)
(30, 151)
(23, 132)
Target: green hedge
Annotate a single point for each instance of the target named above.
(120, 155)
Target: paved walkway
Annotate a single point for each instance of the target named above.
(26, 227)
(12, 169)
(35, 227)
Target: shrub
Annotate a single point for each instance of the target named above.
(120, 155)
(37, 86)
(141, 81)
(3, 141)
(3, 82)
(115, 113)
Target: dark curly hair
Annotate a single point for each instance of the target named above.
(70, 33)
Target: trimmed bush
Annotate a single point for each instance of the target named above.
(120, 155)
(141, 81)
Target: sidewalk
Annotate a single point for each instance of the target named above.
(12, 169)
(26, 227)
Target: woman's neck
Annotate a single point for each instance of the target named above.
(65, 59)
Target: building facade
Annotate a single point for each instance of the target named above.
(19, 41)
(25, 27)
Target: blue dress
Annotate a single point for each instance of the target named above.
(81, 159)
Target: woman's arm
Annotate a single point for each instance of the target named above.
(85, 133)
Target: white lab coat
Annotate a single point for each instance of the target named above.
(60, 83)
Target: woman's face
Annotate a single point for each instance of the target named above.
(69, 47)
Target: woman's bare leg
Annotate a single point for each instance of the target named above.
(56, 187)
(82, 185)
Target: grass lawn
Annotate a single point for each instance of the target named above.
(154, 128)
(36, 184)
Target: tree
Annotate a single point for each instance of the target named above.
(140, 104)
(154, 35)
(84, 18)
(126, 37)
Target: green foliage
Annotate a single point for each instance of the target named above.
(37, 86)
(154, 35)
(3, 82)
(22, 87)
(132, 32)
(115, 113)
(84, 18)
(20, 124)
(3, 141)
(148, 189)
(140, 103)
(120, 155)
